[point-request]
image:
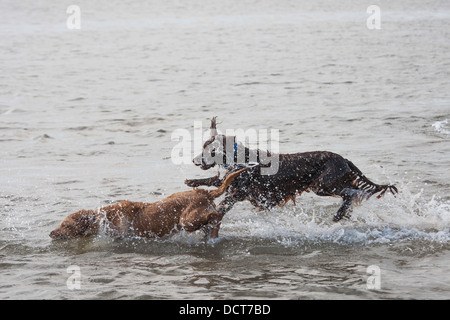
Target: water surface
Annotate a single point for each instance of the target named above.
(86, 118)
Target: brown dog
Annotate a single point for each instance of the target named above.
(188, 210)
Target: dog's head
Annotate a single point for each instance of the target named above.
(74, 225)
(216, 149)
(224, 150)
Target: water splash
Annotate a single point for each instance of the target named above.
(410, 216)
(442, 126)
(413, 215)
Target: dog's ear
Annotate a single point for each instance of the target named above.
(213, 128)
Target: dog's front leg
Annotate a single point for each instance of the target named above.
(206, 233)
(209, 182)
(210, 232)
(215, 232)
(214, 221)
(226, 204)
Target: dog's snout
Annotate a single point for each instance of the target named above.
(56, 234)
(197, 160)
(53, 234)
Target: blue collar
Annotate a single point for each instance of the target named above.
(233, 158)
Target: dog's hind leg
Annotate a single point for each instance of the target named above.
(350, 197)
(336, 179)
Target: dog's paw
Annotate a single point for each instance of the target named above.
(337, 218)
(191, 183)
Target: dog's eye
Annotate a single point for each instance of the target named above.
(67, 226)
(213, 153)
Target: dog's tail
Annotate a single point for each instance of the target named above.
(361, 182)
(219, 191)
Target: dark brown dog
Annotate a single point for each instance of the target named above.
(324, 173)
(188, 210)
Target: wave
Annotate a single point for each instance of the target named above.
(442, 126)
